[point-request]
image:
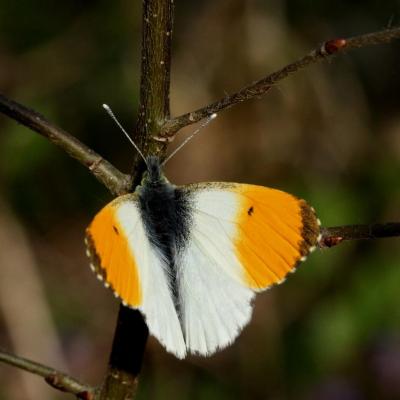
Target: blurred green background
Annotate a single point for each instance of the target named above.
(330, 134)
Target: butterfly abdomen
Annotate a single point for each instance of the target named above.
(165, 211)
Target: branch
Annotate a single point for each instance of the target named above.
(259, 88)
(106, 173)
(54, 378)
(131, 332)
(126, 356)
(335, 235)
(154, 107)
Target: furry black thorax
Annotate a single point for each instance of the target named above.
(165, 210)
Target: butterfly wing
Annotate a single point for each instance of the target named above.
(124, 259)
(243, 239)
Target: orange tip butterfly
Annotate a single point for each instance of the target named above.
(192, 257)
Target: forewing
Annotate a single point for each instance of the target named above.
(244, 238)
(124, 259)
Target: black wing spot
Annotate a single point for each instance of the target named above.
(115, 230)
(250, 211)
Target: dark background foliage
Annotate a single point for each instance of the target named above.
(330, 134)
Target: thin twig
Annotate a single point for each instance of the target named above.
(54, 378)
(117, 182)
(335, 235)
(260, 87)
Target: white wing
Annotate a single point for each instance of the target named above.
(216, 304)
(126, 261)
(243, 239)
(157, 302)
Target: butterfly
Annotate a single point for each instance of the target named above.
(191, 258)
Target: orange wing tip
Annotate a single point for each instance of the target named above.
(101, 273)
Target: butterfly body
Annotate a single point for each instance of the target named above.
(165, 212)
(191, 258)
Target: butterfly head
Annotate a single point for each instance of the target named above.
(153, 175)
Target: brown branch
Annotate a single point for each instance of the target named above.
(54, 378)
(335, 235)
(154, 107)
(260, 87)
(117, 182)
(131, 332)
(126, 356)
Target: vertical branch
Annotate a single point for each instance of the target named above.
(131, 332)
(126, 356)
(155, 76)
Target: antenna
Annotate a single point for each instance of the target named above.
(111, 114)
(204, 124)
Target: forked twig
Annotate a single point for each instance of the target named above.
(260, 87)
